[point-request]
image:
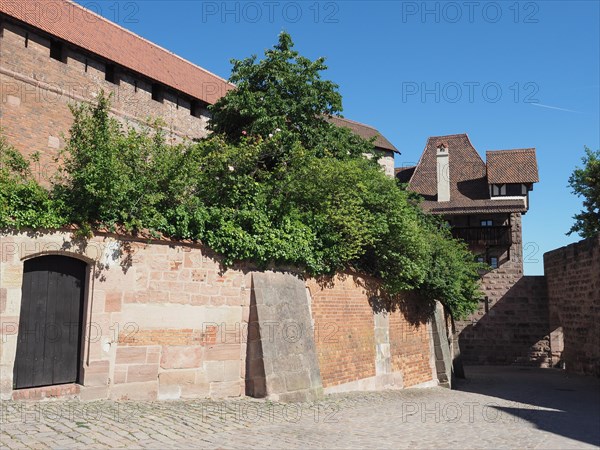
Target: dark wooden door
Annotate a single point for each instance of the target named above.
(50, 325)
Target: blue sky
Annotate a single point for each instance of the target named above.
(510, 74)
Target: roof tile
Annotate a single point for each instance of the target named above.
(364, 131)
(512, 166)
(85, 29)
(470, 176)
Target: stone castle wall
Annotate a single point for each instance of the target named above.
(36, 90)
(510, 325)
(573, 278)
(162, 320)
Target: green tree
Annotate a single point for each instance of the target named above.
(124, 177)
(303, 196)
(585, 182)
(23, 202)
(284, 93)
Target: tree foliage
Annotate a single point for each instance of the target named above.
(285, 94)
(303, 196)
(585, 182)
(23, 202)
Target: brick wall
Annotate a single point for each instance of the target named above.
(343, 321)
(409, 345)
(510, 326)
(163, 321)
(346, 336)
(515, 330)
(573, 279)
(35, 91)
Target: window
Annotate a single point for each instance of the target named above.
(196, 108)
(513, 189)
(493, 262)
(157, 92)
(57, 51)
(109, 74)
(487, 223)
(480, 259)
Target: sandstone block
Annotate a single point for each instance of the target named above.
(181, 357)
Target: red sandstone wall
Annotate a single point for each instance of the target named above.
(573, 279)
(161, 321)
(511, 327)
(514, 331)
(35, 91)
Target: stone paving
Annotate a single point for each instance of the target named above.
(493, 408)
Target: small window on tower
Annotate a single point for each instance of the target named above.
(57, 51)
(494, 262)
(487, 223)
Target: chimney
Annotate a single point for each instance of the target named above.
(443, 172)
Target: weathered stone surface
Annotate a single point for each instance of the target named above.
(573, 280)
(135, 391)
(287, 346)
(441, 345)
(181, 357)
(131, 355)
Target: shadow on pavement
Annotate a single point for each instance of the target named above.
(550, 399)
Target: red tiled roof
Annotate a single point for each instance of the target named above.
(512, 166)
(403, 174)
(364, 131)
(469, 184)
(467, 170)
(83, 28)
(475, 206)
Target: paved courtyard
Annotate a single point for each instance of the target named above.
(493, 408)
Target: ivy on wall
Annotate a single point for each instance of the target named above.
(260, 188)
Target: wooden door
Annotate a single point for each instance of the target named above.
(50, 325)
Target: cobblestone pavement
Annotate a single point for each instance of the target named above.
(493, 408)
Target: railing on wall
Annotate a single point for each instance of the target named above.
(491, 236)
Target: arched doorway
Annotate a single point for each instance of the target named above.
(51, 322)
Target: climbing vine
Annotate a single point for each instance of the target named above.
(274, 192)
